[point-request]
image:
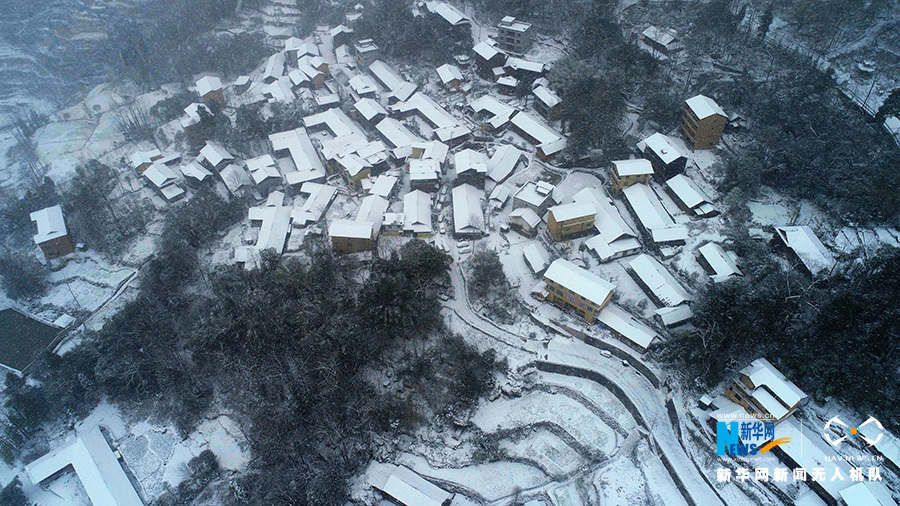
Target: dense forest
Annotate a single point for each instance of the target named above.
(294, 350)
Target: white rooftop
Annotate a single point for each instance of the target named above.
(383, 185)
(527, 215)
(450, 13)
(646, 205)
(524, 65)
(687, 191)
(405, 486)
(658, 280)
(579, 281)
(335, 120)
(803, 241)
(449, 73)
(160, 176)
(234, 176)
(141, 157)
(536, 256)
(195, 170)
(504, 161)
(215, 153)
(674, 315)
(320, 196)
(703, 107)
(396, 134)
(352, 229)
(608, 222)
(97, 468)
(501, 112)
(566, 212)
(548, 139)
(372, 208)
(301, 150)
(369, 108)
(363, 84)
(662, 146)
(469, 160)
(536, 194)
(721, 262)
(387, 76)
(276, 224)
(417, 212)
(625, 324)
(547, 96)
(764, 376)
(638, 167)
(50, 224)
(487, 50)
(208, 84)
(468, 216)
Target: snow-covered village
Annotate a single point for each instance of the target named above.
(435, 253)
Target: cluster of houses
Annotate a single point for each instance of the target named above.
(761, 391)
(363, 131)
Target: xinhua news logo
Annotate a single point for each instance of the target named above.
(746, 437)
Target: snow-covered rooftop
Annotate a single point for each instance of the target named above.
(687, 191)
(536, 194)
(215, 153)
(469, 160)
(448, 73)
(626, 325)
(485, 49)
(320, 196)
(574, 210)
(767, 380)
(674, 315)
(658, 280)
(468, 216)
(369, 109)
(504, 161)
(372, 208)
(143, 157)
(803, 241)
(396, 134)
(335, 120)
(363, 84)
(302, 152)
(276, 224)
(501, 112)
(417, 212)
(352, 229)
(160, 176)
(547, 96)
(383, 185)
(703, 107)
(638, 167)
(527, 215)
(405, 486)
(450, 13)
(579, 281)
(662, 146)
(549, 140)
(262, 168)
(521, 64)
(50, 224)
(720, 261)
(536, 256)
(652, 215)
(208, 84)
(390, 79)
(96, 465)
